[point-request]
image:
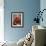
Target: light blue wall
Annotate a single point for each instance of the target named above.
(29, 7)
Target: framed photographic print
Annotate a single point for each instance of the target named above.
(17, 19)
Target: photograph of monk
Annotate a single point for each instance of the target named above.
(17, 19)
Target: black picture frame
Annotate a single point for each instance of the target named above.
(17, 19)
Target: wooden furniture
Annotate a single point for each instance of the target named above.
(39, 35)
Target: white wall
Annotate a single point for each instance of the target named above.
(43, 6)
(1, 20)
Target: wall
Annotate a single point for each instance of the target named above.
(29, 7)
(43, 6)
(1, 20)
